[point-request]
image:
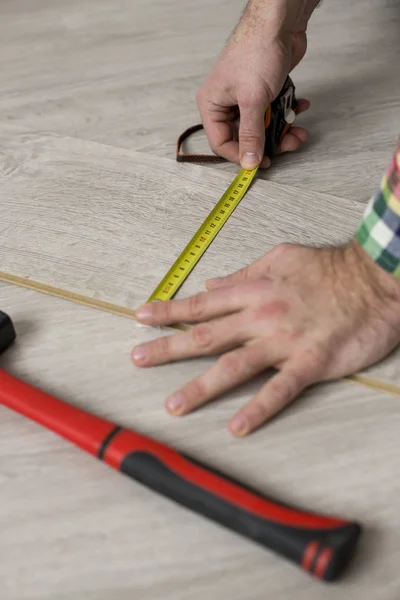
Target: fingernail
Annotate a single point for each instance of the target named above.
(139, 354)
(238, 425)
(249, 160)
(175, 403)
(144, 313)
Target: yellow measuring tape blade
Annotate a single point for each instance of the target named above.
(203, 237)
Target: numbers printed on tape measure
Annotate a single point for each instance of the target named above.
(190, 256)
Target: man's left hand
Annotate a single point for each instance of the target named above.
(312, 314)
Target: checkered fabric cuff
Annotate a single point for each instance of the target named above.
(379, 230)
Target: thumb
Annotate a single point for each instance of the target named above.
(252, 133)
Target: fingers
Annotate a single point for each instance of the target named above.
(300, 133)
(280, 390)
(219, 124)
(290, 142)
(252, 131)
(204, 339)
(231, 370)
(265, 163)
(293, 139)
(248, 273)
(201, 307)
(252, 136)
(220, 137)
(296, 135)
(302, 105)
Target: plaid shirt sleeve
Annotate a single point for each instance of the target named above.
(379, 229)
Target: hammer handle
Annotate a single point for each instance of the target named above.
(321, 545)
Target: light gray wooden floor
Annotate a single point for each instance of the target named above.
(93, 96)
(109, 222)
(73, 528)
(126, 73)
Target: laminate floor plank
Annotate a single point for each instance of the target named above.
(73, 528)
(127, 73)
(108, 222)
(93, 97)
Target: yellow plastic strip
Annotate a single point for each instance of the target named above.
(30, 284)
(66, 295)
(375, 384)
(122, 311)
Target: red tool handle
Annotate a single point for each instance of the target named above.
(321, 545)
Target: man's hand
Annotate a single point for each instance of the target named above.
(268, 43)
(313, 314)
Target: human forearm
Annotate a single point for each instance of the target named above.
(275, 16)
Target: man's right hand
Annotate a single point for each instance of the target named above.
(268, 43)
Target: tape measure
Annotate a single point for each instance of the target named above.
(199, 243)
(278, 118)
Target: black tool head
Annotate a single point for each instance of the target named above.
(7, 332)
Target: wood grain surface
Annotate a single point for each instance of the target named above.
(73, 528)
(108, 222)
(126, 73)
(93, 97)
(82, 219)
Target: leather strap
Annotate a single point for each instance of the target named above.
(201, 158)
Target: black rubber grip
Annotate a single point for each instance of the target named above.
(322, 551)
(7, 332)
